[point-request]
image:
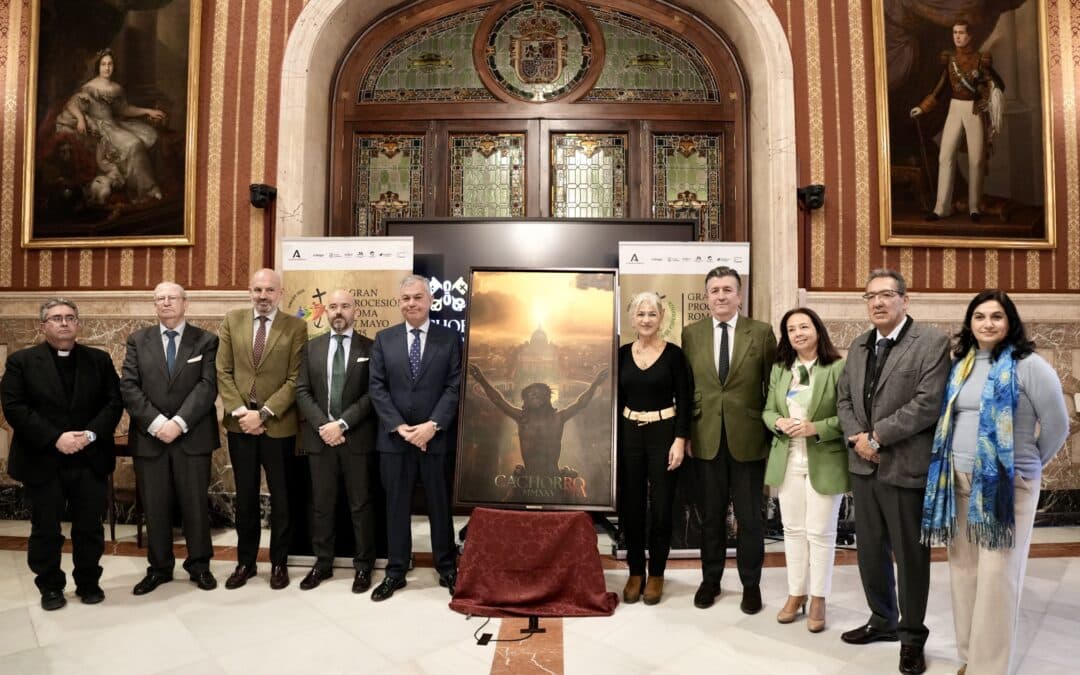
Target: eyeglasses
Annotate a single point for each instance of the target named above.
(62, 318)
(884, 295)
(171, 299)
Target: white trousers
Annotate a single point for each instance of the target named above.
(962, 119)
(986, 584)
(809, 527)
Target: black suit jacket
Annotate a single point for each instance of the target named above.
(433, 395)
(313, 394)
(149, 391)
(38, 410)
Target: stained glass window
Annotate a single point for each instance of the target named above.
(487, 174)
(688, 179)
(588, 175)
(389, 171)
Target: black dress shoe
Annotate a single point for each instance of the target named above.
(864, 635)
(387, 588)
(751, 600)
(279, 577)
(90, 595)
(362, 581)
(151, 581)
(706, 594)
(52, 600)
(975, 217)
(930, 216)
(448, 581)
(240, 576)
(204, 580)
(911, 659)
(315, 577)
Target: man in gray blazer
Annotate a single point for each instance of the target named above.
(169, 385)
(415, 375)
(338, 435)
(889, 398)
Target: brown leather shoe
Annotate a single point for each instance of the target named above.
(279, 577)
(240, 576)
(631, 593)
(654, 588)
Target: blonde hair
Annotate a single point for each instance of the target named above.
(643, 297)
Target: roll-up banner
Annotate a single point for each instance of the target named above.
(676, 272)
(371, 268)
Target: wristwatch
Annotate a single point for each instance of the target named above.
(343, 425)
(874, 445)
(264, 414)
(437, 427)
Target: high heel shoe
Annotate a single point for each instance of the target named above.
(634, 586)
(815, 622)
(795, 605)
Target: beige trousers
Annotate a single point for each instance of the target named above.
(986, 584)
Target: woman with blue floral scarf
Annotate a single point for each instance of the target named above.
(1003, 419)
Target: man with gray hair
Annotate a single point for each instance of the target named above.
(888, 400)
(169, 385)
(415, 375)
(62, 402)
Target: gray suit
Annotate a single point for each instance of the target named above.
(180, 468)
(903, 411)
(352, 459)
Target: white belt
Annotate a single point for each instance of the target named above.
(648, 416)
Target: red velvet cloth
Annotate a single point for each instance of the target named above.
(527, 563)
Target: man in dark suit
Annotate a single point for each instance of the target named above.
(257, 365)
(169, 385)
(415, 375)
(731, 357)
(338, 435)
(888, 400)
(62, 402)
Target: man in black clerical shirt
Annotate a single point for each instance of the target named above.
(62, 400)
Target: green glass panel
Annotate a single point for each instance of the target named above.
(487, 175)
(389, 172)
(430, 63)
(588, 175)
(645, 62)
(688, 174)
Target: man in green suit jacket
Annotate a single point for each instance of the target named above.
(258, 361)
(730, 356)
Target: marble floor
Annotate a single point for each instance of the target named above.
(179, 629)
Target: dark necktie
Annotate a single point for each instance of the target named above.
(257, 352)
(414, 353)
(337, 377)
(170, 350)
(725, 358)
(874, 362)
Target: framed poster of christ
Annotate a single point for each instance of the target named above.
(537, 418)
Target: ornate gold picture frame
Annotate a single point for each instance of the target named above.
(941, 122)
(112, 103)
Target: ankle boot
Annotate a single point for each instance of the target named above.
(794, 605)
(654, 588)
(634, 586)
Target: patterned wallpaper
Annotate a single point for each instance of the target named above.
(832, 49)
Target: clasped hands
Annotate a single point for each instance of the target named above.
(250, 422)
(71, 442)
(417, 434)
(169, 432)
(332, 434)
(860, 443)
(794, 428)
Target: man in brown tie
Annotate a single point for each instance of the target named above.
(257, 365)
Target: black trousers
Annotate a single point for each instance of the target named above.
(247, 454)
(83, 491)
(185, 477)
(887, 523)
(646, 482)
(724, 480)
(327, 466)
(399, 471)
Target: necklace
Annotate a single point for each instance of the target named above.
(646, 354)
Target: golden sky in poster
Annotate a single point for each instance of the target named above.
(506, 307)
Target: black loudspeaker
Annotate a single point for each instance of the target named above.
(811, 197)
(262, 195)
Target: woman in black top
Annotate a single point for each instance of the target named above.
(655, 394)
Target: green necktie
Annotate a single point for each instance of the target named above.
(337, 378)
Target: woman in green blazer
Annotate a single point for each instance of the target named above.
(808, 460)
